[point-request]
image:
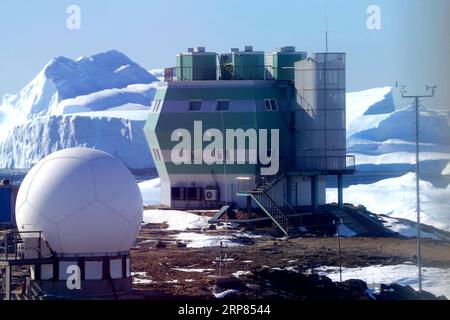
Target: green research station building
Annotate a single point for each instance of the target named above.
(250, 129)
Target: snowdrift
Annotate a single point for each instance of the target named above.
(176, 220)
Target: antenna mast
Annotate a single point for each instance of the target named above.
(417, 103)
(326, 26)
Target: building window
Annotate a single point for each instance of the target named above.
(222, 105)
(157, 155)
(156, 105)
(158, 108)
(271, 104)
(195, 105)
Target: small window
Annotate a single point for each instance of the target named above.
(271, 104)
(195, 105)
(156, 105)
(223, 105)
(157, 155)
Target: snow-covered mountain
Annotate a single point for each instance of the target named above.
(100, 101)
(63, 79)
(383, 137)
(158, 73)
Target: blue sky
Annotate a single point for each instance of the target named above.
(412, 45)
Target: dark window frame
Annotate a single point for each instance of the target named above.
(228, 101)
(195, 101)
(271, 104)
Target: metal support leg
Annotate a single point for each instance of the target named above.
(340, 184)
(249, 205)
(289, 189)
(315, 193)
(8, 283)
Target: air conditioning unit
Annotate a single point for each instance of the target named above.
(211, 194)
(178, 193)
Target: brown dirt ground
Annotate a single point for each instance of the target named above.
(159, 263)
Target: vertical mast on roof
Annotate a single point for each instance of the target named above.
(326, 26)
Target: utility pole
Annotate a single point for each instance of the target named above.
(338, 224)
(417, 103)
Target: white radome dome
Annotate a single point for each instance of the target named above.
(83, 200)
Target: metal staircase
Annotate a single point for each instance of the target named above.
(283, 215)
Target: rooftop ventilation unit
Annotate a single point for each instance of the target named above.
(282, 62)
(287, 49)
(248, 64)
(196, 65)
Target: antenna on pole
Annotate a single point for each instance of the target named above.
(417, 102)
(326, 26)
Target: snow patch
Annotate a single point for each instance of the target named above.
(409, 230)
(176, 220)
(238, 274)
(222, 295)
(122, 68)
(136, 94)
(192, 270)
(202, 240)
(141, 278)
(435, 280)
(345, 231)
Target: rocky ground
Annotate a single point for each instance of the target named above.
(270, 267)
